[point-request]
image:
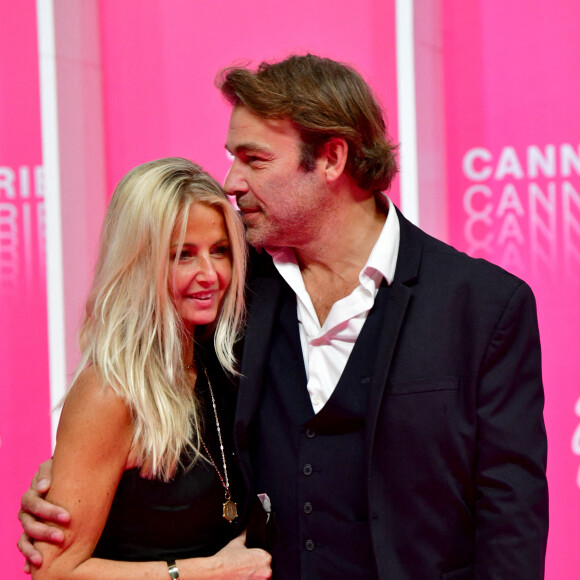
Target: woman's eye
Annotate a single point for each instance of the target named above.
(181, 256)
(221, 251)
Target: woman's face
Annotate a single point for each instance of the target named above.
(200, 275)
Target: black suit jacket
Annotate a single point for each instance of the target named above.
(456, 445)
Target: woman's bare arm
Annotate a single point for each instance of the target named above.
(93, 444)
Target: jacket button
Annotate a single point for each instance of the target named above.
(310, 433)
(307, 508)
(309, 545)
(307, 469)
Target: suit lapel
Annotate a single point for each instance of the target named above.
(394, 302)
(264, 296)
(265, 293)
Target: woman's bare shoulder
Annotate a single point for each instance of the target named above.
(90, 388)
(93, 405)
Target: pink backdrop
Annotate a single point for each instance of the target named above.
(24, 395)
(513, 166)
(160, 62)
(512, 158)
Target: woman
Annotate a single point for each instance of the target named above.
(143, 459)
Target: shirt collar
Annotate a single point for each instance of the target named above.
(383, 258)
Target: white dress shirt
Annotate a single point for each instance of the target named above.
(326, 348)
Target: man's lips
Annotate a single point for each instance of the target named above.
(250, 214)
(248, 208)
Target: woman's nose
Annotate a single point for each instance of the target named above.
(207, 273)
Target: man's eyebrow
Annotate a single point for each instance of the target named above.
(250, 146)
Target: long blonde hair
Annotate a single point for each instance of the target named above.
(132, 332)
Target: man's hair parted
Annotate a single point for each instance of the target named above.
(324, 99)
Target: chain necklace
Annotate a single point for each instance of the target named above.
(230, 508)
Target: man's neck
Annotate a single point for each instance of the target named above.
(331, 265)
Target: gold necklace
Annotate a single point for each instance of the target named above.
(230, 508)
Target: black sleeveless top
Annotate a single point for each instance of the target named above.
(182, 518)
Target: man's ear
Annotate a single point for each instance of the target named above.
(334, 155)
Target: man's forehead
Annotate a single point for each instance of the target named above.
(250, 131)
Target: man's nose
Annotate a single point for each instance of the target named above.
(235, 183)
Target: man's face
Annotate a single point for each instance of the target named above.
(279, 201)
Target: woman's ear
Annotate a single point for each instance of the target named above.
(334, 155)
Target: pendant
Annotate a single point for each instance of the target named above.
(230, 511)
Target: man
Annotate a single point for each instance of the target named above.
(391, 399)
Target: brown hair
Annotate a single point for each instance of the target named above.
(323, 98)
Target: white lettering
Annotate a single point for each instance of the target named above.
(576, 439)
(537, 229)
(7, 182)
(478, 219)
(571, 226)
(24, 175)
(569, 158)
(468, 203)
(8, 247)
(510, 228)
(544, 162)
(509, 164)
(39, 181)
(510, 201)
(11, 187)
(476, 243)
(41, 229)
(469, 159)
(27, 242)
(542, 208)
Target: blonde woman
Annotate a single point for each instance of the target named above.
(144, 457)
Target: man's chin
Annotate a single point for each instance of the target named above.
(256, 237)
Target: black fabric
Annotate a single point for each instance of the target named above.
(455, 444)
(312, 464)
(153, 520)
